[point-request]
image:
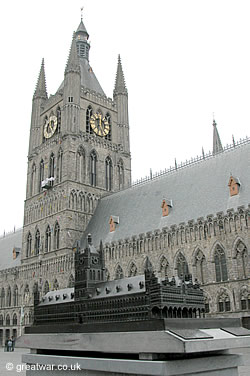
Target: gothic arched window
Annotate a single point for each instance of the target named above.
(48, 239)
(52, 168)
(89, 113)
(46, 287)
(15, 296)
(81, 202)
(2, 297)
(163, 270)
(108, 173)
(14, 319)
(1, 320)
(80, 165)
(93, 172)
(57, 236)
(37, 243)
(59, 165)
(182, 267)
(120, 168)
(41, 175)
(29, 243)
(200, 265)
(220, 264)
(8, 319)
(8, 298)
(109, 135)
(119, 272)
(132, 270)
(245, 299)
(224, 304)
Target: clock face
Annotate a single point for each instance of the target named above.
(50, 126)
(99, 124)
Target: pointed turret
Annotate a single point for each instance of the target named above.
(217, 145)
(120, 95)
(41, 91)
(40, 95)
(73, 61)
(120, 85)
(71, 91)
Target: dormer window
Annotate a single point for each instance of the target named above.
(166, 205)
(113, 221)
(234, 186)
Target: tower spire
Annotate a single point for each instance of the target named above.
(120, 85)
(217, 145)
(41, 91)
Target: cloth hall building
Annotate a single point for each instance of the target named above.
(192, 219)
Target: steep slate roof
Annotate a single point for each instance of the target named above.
(198, 190)
(88, 78)
(7, 243)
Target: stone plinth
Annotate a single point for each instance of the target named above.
(177, 348)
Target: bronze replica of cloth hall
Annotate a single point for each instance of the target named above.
(192, 219)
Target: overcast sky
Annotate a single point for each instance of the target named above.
(183, 60)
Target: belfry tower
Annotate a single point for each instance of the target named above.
(78, 151)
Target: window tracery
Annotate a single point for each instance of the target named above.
(132, 270)
(119, 272)
(224, 304)
(200, 265)
(220, 264)
(182, 267)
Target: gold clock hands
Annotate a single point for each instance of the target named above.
(50, 127)
(100, 124)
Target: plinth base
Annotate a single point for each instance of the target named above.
(218, 365)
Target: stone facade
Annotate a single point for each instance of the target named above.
(191, 248)
(86, 166)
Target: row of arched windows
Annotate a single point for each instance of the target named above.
(83, 202)
(80, 171)
(89, 113)
(93, 170)
(52, 236)
(200, 267)
(224, 303)
(51, 172)
(7, 320)
(11, 297)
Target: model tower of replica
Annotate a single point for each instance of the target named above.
(78, 151)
